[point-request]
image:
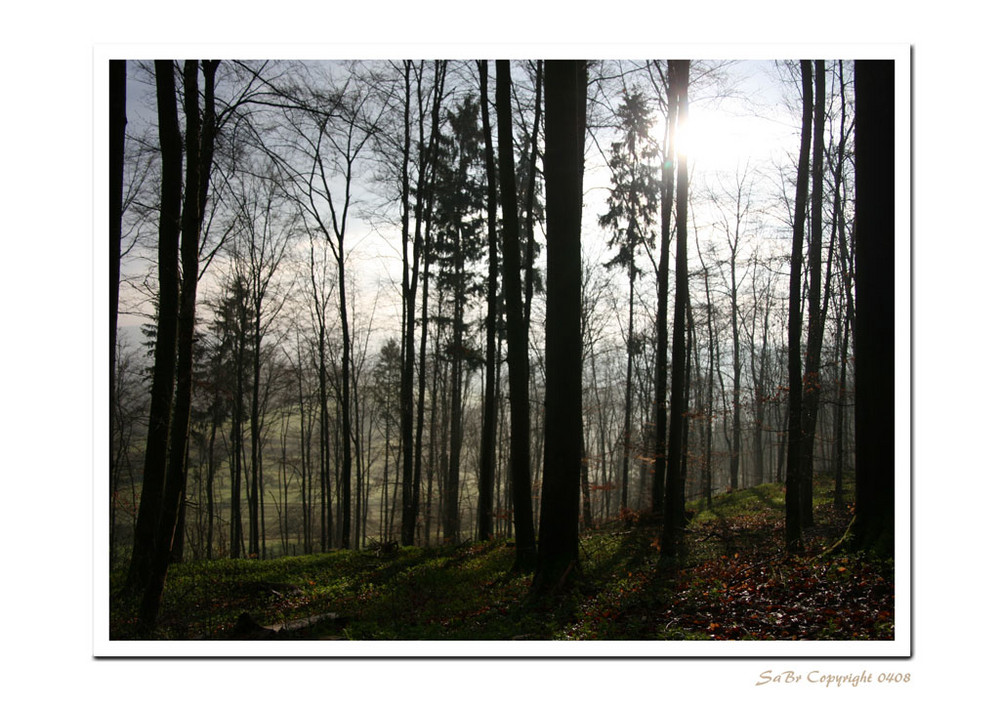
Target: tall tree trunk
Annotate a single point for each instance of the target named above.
(629, 355)
(444, 462)
(781, 429)
(602, 437)
(305, 447)
(359, 427)
(712, 364)
(200, 138)
(662, 302)
(326, 503)
(435, 425)
(734, 459)
(384, 529)
(487, 454)
(875, 391)
(517, 340)
(565, 128)
(844, 325)
(425, 201)
(758, 369)
(335, 220)
(814, 338)
(439, 72)
(794, 470)
(236, 443)
(692, 343)
(838, 418)
(421, 396)
(674, 500)
(452, 514)
(179, 534)
(529, 201)
(345, 401)
(409, 324)
(210, 486)
(255, 425)
(155, 466)
(116, 169)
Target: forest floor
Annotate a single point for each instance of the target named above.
(735, 582)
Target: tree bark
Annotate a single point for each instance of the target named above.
(210, 487)
(430, 158)
(875, 359)
(629, 356)
(845, 325)
(793, 483)
(662, 304)
(452, 514)
(345, 400)
(710, 409)
(326, 503)
(734, 242)
(811, 382)
(255, 425)
(116, 170)
(200, 137)
(529, 200)
(565, 128)
(517, 340)
(487, 454)
(674, 500)
(758, 371)
(236, 433)
(409, 324)
(151, 499)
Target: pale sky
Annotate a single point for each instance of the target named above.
(749, 124)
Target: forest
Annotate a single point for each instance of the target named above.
(501, 349)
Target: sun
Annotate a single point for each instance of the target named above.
(716, 140)
(689, 140)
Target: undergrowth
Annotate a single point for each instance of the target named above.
(734, 582)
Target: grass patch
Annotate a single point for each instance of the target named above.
(734, 583)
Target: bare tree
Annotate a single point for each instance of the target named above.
(793, 482)
(117, 81)
(674, 502)
(487, 455)
(707, 411)
(200, 139)
(565, 127)
(261, 240)
(517, 333)
(667, 173)
(845, 323)
(811, 382)
(874, 421)
(331, 129)
(735, 227)
(420, 104)
(155, 466)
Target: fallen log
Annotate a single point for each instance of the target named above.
(319, 626)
